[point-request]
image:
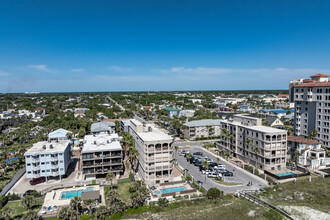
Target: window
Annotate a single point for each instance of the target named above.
(29, 172)
(42, 163)
(48, 170)
(61, 161)
(28, 164)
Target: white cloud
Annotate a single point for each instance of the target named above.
(40, 67)
(120, 69)
(78, 70)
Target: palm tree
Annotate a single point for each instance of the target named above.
(248, 143)
(188, 157)
(176, 148)
(133, 154)
(101, 212)
(227, 156)
(297, 154)
(217, 159)
(88, 204)
(75, 204)
(110, 177)
(256, 151)
(6, 212)
(27, 202)
(205, 166)
(312, 134)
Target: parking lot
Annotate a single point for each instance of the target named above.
(239, 175)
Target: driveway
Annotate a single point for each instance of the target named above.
(240, 176)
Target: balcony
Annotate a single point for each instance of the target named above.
(88, 164)
(35, 167)
(53, 158)
(116, 155)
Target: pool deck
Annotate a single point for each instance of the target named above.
(158, 188)
(53, 198)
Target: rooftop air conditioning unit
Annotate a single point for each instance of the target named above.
(51, 146)
(44, 147)
(149, 128)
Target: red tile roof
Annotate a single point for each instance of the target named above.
(313, 84)
(282, 95)
(302, 140)
(319, 75)
(39, 109)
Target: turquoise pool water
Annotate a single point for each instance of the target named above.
(71, 194)
(286, 174)
(173, 189)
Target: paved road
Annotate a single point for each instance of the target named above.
(240, 176)
(193, 143)
(120, 106)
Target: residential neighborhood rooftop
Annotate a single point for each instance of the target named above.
(302, 140)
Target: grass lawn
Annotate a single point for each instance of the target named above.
(122, 187)
(227, 183)
(228, 208)
(19, 210)
(315, 194)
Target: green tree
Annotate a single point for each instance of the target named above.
(6, 212)
(27, 202)
(205, 166)
(162, 202)
(313, 134)
(110, 177)
(75, 204)
(214, 193)
(256, 151)
(88, 204)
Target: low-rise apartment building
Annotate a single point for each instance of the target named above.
(202, 128)
(101, 154)
(245, 138)
(48, 159)
(309, 152)
(155, 152)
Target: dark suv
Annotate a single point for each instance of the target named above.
(198, 153)
(37, 180)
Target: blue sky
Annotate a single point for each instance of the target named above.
(63, 46)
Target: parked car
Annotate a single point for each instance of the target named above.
(183, 152)
(37, 180)
(209, 160)
(203, 157)
(213, 175)
(198, 153)
(186, 153)
(193, 159)
(227, 173)
(221, 166)
(198, 163)
(213, 164)
(207, 171)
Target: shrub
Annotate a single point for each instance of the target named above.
(93, 182)
(131, 176)
(162, 202)
(214, 193)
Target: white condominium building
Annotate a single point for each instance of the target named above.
(202, 128)
(47, 159)
(312, 108)
(155, 151)
(261, 146)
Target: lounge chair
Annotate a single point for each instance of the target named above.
(50, 208)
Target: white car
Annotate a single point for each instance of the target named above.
(207, 172)
(203, 157)
(213, 175)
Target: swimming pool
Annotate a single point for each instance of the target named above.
(71, 194)
(286, 174)
(173, 189)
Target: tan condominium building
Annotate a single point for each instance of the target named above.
(101, 154)
(245, 138)
(312, 108)
(155, 160)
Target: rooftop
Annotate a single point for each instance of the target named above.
(203, 122)
(302, 140)
(46, 147)
(102, 126)
(58, 133)
(319, 75)
(313, 84)
(152, 133)
(102, 142)
(266, 129)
